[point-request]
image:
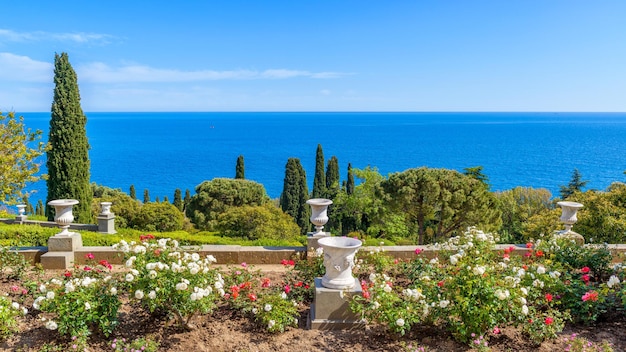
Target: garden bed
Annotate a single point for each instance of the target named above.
(228, 330)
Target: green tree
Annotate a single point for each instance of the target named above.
(575, 184)
(178, 199)
(146, 196)
(19, 150)
(39, 209)
(218, 195)
(258, 222)
(68, 149)
(319, 182)
(162, 217)
(133, 193)
(332, 178)
(350, 182)
(476, 172)
(239, 169)
(295, 194)
(123, 206)
(438, 203)
(187, 199)
(517, 206)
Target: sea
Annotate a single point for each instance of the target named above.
(163, 151)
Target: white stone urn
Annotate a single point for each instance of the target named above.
(63, 214)
(106, 208)
(568, 217)
(319, 213)
(21, 209)
(339, 255)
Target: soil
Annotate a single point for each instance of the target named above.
(226, 330)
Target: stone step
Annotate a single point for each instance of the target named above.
(57, 260)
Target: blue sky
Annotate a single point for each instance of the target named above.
(466, 55)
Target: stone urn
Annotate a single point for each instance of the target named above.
(63, 214)
(21, 209)
(105, 208)
(319, 214)
(339, 255)
(568, 217)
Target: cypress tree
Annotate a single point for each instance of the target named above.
(68, 153)
(350, 183)
(178, 199)
(157, 200)
(319, 182)
(39, 209)
(133, 193)
(146, 196)
(332, 178)
(295, 194)
(166, 199)
(187, 199)
(239, 169)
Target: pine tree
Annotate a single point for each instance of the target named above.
(295, 194)
(146, 196)
(178, 199)
(239, 169)
(68, 148)
(332, 178)
(576, 184)
(133, 193)
(319, 182)
(350, 183)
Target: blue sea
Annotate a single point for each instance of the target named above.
(164, 151)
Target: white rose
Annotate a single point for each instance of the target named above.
(613, 280)
(400, 322)
(51, 325)
(139, 294)
(267, 307)
(152, 294)
(129, 277)
(541, 269)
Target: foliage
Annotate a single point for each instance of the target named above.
(9, 312)
(142, 344)
(178, 200)
(603, 217)
(161, 217)
(166, 279)
(133, 192)
(575, 184)
(476, 172)
(13, 265)
(332, 177)
(218, 195)
(319, 181)
(295, 194)
(80, 301)
(439, 202)
(19, 150)
(257, 222)
(270, 304)
(68, 149)
(350, 181)
(517, 206)
(239, 169)
(579, 344)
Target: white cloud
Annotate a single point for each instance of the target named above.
(102, 73)
(80, 37)
(24, 69)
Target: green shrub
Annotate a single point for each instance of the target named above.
(158, 217)
(257, 222)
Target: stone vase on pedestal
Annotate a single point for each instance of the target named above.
(319, 214)
(339, 255)
(568, 217)
(63, 214)
(106, 219)
(21, 213)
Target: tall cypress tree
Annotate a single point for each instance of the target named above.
(295, 194)
(133, 193)
(68, 153)
(187, 199)
(332, 178)
(319, 182)
(239, 170)
(178, 199)
(350, 183)
(146, 196)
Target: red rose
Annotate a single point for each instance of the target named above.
(549, 321)
(585, 270)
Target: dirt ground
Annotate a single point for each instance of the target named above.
(226, 330)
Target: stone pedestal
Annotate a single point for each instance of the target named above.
(20, 219)
(106, 223)
(311, 240)
(61, 249)
(331, 310)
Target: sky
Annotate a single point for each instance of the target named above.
(324, 55)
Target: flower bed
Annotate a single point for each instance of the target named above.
(469, 295)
